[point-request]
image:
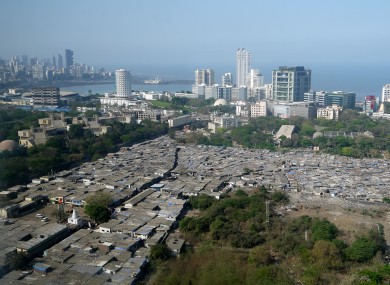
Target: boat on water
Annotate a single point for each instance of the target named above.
(154, 81)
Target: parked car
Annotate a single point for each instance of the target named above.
(45, 219)
(39, 216)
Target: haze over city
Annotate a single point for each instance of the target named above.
(343, 42)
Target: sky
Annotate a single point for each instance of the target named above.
(156, 36)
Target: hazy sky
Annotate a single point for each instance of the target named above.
(147, 34)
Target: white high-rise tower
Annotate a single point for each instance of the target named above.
(386, 93)
(204, 76)
(243, 66)
(123, 83)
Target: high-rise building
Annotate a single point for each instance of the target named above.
(123, 83)
(226, 79)
(386, 93)
(225, 92)
(33, 61)
(60, 61)
(254, 79)
(25, 60)
(38, 72)
(204, 76)
(46, 96)
(239, 93)
(68, 58)
(369, 104)
(243, 66)
(54, 62)
(290, 83)
(341, 99)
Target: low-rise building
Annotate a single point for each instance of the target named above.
(329, 113)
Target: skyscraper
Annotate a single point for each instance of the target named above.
(254, 79)
(68, 58)
(123, 83)
(243, 66)
(290, 83)
(204, 76)
(226, 79)
(386, 93)
(60, 61)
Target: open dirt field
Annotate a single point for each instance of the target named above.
(351, 217)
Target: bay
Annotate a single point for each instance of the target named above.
(110, 88)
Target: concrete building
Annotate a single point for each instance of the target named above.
(225, 93)
(75, 219)
(211, 92)
(242, 109)
(46, 97)
(189, 95)
(117, 101)
(268, 91)
(243, 58)
(259, 109)
(386, 93)
(303, 109)
(317, 97)
(370, 104)
(199, 89)
(329, 112)
(341, 98)
(254, 79)
(239, 93)
(286, 110)
(226, 79)
(285, 130)
(290, 83)
(60, 61)
(204, 76)
(123, 83)
(224, 122)
(180, 121)
(38, 72)
(68, 58)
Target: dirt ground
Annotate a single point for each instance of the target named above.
(49, 211)
(351, 217)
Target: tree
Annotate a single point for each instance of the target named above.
(101, 198)
(76, 131)
(326, 254)
(280, 197)
(324, 230)
(260, 256)
(19, 261)
(60, 214)
(363, 249)
(98, 213)
(201, 202)
(160, 251)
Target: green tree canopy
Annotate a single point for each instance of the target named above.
(160, 251)
(98, 213)
(326, 254)
(363, 249)
(323, 230)
(101, 198)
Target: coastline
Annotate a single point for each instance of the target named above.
(101, 82)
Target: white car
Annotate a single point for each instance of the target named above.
(45, 219)
(39, 215)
